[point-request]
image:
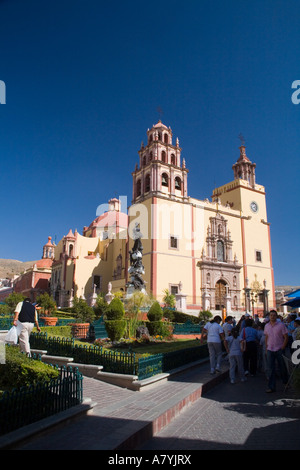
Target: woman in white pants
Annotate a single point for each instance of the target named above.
(215, 336)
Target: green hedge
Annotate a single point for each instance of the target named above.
(19, 370)
(155, 313)
(115, 329)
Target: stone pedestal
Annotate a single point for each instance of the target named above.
(181, 302)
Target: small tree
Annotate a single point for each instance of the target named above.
(83, 312)
(13, 299)
(205, 316)
(46, 302)
(169, 299)
(155, 325)
(115, 324)
(101, 306)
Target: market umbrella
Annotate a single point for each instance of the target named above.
(294, 303)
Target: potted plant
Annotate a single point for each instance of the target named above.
(84, 315)
(47, 305)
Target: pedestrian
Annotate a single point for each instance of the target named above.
(228, 325)
(242, 320)
(296, 332)
(25, 317)
(233, 347)
(250, 336)
(262, 355)
(215, 336)
(290, 324)
(276, 335)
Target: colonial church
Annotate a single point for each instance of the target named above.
(210, 253)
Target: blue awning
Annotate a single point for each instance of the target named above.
(295, 293)
(294, 303)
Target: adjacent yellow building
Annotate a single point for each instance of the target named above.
(212, 254)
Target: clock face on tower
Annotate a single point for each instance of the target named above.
(254, 206)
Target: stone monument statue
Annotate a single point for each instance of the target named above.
(136, 269)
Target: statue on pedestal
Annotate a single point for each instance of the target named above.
(136, 269)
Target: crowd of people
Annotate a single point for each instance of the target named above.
(252, 344)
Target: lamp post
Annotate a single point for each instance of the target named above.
(265, 293)
(253, 300)
(247, 291)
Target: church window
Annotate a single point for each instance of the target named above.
(166, 139)
(151, 156)
(147, 184)
(164, 179)
(71, 247)
(159, 136)
(177, 183)
(173, 242)
(98, 282)
(174, 289)
(144, 161)
(258, 256)
(220, 251)
(173, 159)
(163, 156)
(138, 188)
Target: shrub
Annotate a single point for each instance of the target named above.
(83, 312)
(159, 328)
(205, 315)
(115, 329)
(115, 310)
(179, 317)
(19, 370)
(115, 324)
(155, 313)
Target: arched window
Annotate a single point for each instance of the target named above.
(150, 156)
(166, 139)
(164, 179)
(177, 183)
(220, 251)
(144, 161)
(159, 136)
(151, 138)
(147, 184)
(163, 156)
(71, 247)
(138, 188)
(173, 159)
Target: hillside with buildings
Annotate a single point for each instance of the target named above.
(10, 267)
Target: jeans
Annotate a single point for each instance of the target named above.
(250, 357)
(215, 355)
(272, 357)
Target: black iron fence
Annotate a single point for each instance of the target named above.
(35, 402)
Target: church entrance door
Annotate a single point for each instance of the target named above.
(220, 293)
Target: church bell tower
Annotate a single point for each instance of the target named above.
(160, 171)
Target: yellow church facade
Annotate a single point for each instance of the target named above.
(212, 254)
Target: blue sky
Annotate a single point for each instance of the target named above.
(84, 80)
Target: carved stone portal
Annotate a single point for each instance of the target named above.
(220, 272)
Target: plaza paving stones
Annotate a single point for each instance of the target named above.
(191, 411)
